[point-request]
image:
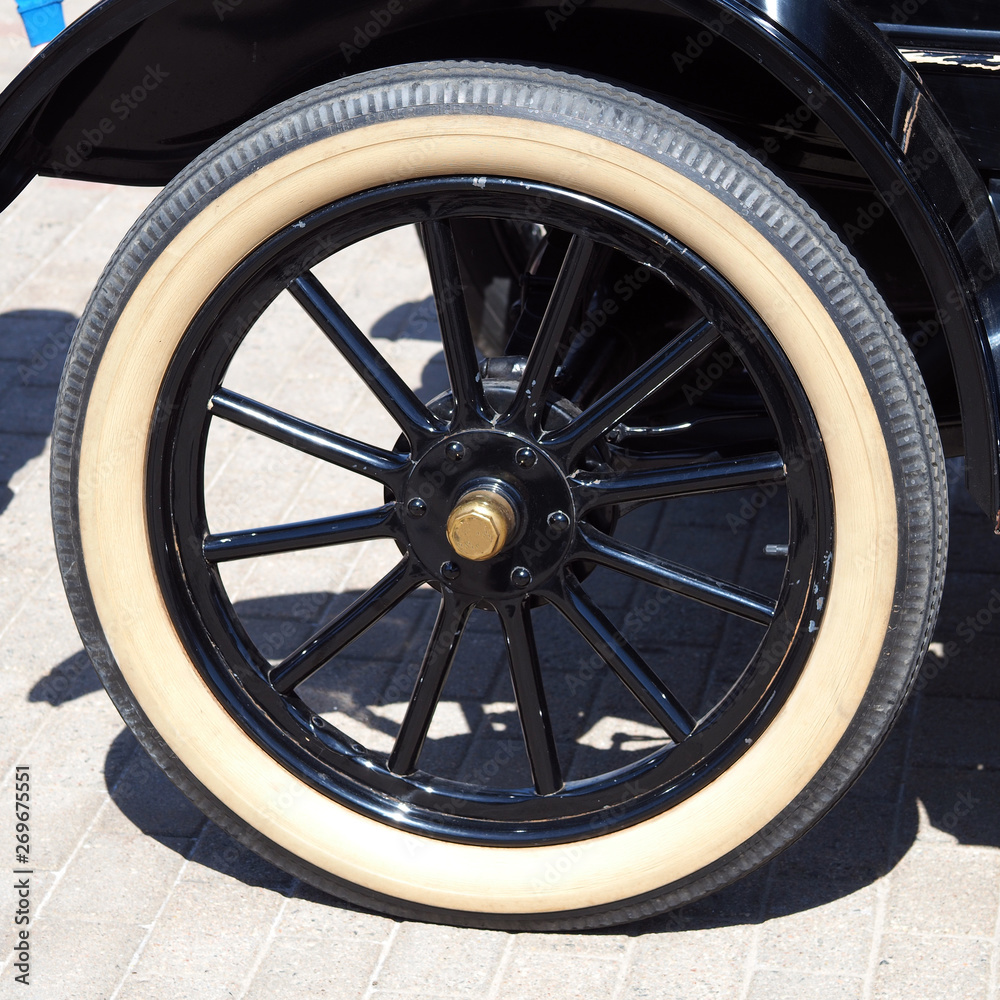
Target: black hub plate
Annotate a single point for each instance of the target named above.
(490, 461)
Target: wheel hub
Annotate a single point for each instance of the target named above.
(484, 518)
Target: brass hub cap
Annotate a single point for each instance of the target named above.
(480, 525)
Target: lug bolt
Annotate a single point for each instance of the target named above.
(520, 577)
(558, 521)
(455, 451)
(450, 571)
(525, 458)
(416, 507)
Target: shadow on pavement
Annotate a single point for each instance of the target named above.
(33, 344)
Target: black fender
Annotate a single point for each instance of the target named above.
(135, 89)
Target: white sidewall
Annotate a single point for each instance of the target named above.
(152, 658)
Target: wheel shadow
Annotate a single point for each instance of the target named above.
(33, 344)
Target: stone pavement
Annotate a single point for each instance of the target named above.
(895, 894)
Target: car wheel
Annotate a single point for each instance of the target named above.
(700, 494)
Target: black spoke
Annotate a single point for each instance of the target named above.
(438, 658)
(526, 676)
(681, 481)
(527, 406)
(632, 670)
(453, 317)
(597, 547)
(392, 392)
(359, 527)
(384, 466)
(647, 379)
(345, 628)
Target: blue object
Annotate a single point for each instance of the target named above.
(43, 19)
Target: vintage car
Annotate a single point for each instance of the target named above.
(619, 570)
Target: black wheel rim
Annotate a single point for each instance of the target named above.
(565, 468)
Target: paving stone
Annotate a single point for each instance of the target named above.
(608, 945)
(615, 593)
(834, 939)
(39, 884)
(697, 965)
(20, 721)
(218, 983)
(67, 776)
(770, 985)
(946, 968)
(276, 638)
(962, 670)
(496, 761)
(315, 967)
(971, 537)
(689, 672)
(937, 889)
(550, 974)
(701, 549)
(41, 644)
(68, 680)
(53, 218)
(124, 873)
(78, 959)
(310, 915)
(258, 484)
(408, 995)
(437, 960)
(33, 345)
(679, 623)
(615, 730)
(970, 605)
(881, 781)
(143, 795)
(25, 565)
(854, 839)
(741, 903)
(204, 942)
